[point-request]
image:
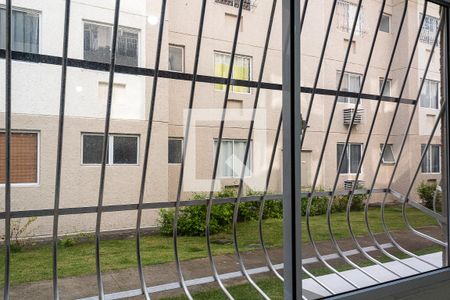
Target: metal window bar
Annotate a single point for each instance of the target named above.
(101, 293)
(292, 123)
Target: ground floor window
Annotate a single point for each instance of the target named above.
(352, 158)
(432, 161)
(231, 158)
(122, 149)
(24, 157)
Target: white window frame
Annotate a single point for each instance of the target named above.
(348, 100)
(389, 22)
(217, 52)
(249, 160)
(182, 57)
(38, 159)
(136, 30)
(110, 161)
(438, 94)
(177, 139)
(430, 160)
(426, 35)
(348, 154)
(391, 146)
(381, 82)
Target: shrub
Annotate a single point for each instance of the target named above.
(426, 192)
(67, 242)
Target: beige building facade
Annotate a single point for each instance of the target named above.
(36, 88)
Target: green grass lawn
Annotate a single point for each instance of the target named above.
(34, 264)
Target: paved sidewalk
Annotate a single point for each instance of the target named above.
(127, 279)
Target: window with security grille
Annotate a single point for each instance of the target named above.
(97, 44)
(231, 158)
(24, 157)
(432, 159)
(351, 159)
(346, 13)
(429, 97)
(429, 29)
(25, 30)
(122, 149)
(241, 70)
(351, 82)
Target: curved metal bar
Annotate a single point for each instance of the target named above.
(317, 280)
(388, 233)
(62, 104)
(101, 293)
(216, 158)
(183, 157)
(363, 156)
(147, 150)
(319, 68)
(247, 150)
(322, 152)
(263, 201)
(341, 159)
(8, 47)
(405, 202)
(383, 150)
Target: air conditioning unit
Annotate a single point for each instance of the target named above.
(348, 184)
(348, 115)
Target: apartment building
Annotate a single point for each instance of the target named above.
(37, 28)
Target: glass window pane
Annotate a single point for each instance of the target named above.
(25, 31)
(176, 58)
(127, 47)
(435, 159)
(344, 85)
(387, 87)
(355, 157)
(225, 165)
(385, 23)
(345, 162)
(221, 67)
(425, 95)
(434, 94)
(92, 149)
(239, 152)
(125, 149)
(175, 149)
(97, 42)
(426, 160)
(388, 155)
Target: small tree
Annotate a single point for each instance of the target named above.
(427, 191)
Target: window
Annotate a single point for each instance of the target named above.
(241, 70)
(432, 160)
(175, 150)
(350, 83)
(24, 157)
(385, 25)
(346, 13)
(97, 44)
(388, 155)
(429, 97)
(351, 159)
(429, 29)
(25, 31)
(122, 149)
(387, 87)
(231, 158)
(176, 58)
(247, 4)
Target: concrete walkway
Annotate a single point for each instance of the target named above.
(164, 275)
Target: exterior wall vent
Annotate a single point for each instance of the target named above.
(348, 184)
(348, 115)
